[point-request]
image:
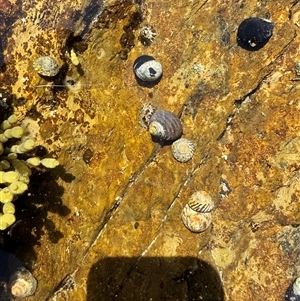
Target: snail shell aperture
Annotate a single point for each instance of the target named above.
(183, 150)
(254, 33)
(46, 66)
(165, 125)
(293, 291)
(147, 70)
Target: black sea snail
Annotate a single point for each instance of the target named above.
(148, 70)
(254, 33)
(293, 291)
(165, 125)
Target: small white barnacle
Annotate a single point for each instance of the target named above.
(145, 113)
(148, 70)
(183, 150)
(46, 66)
(147, 35)
(201, 201)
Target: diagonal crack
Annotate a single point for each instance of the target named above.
(238, 102)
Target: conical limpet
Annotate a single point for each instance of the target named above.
(22, 283)
(196, 221)
(165, 125)
(183, 150)
(46, 66)
(201, 201)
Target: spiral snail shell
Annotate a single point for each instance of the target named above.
(183, 150)
(196, 221)
(293, 291)
(201, 201)
(165, 125)
(197, 213)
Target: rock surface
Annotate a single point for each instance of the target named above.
(106, 225)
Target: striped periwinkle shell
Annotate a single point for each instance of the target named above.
(201, 201)
(196, 221)
(46, 66)
(165, 125)
(183, 150)
(147, 68)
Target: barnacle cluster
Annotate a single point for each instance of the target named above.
(14, 171)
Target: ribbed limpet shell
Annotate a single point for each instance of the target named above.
(46, 66)
(165, 125)
(22, 283)
(201, 201)
(183, 150)
(196, 221)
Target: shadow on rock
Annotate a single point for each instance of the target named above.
(32, 211)
(154, 278)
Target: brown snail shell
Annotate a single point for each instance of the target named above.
(196, 221)
(165, 125)
(183, 150)
(22, 283)
(201, 201)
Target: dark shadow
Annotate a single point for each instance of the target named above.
(154, 278)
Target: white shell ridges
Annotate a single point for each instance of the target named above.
(46, 66)
(22, 283)
(196, 221)
(165, 125)
(183, 150)
(201, 201)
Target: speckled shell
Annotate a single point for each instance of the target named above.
(201, 201)
(165, 125)
(147, 68)
(147, 35)
(145, 113)
(196, 221)
(254, 33)
(22, 283)
(183, 150)
(46, 66)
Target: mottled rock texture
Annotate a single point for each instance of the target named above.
(106, 224)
